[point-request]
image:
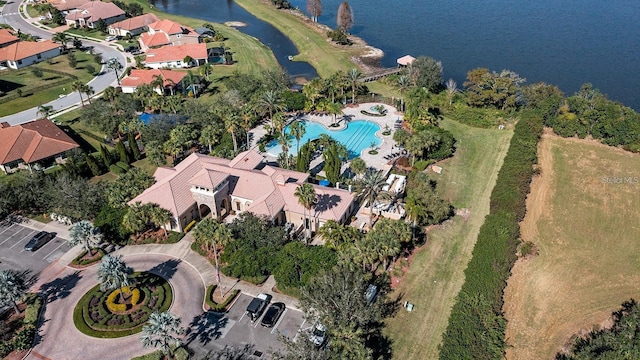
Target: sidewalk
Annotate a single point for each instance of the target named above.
(182, 250)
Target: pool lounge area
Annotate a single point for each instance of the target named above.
(356, 136)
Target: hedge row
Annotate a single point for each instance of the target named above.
(79, 261)
(221, 307)
(476, 327)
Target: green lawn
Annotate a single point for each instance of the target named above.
(436, 272)
(32, 11)
(310, 41)
(92, 33)
(27, 80)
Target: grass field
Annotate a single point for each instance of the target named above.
(585, 227)
(436, 273)
(312, 43)
(25, 78)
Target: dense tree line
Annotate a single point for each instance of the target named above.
(620, 341)
(476, 327)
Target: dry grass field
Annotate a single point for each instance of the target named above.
(436, 273)
(582, 215)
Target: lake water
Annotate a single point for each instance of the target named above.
(221, 11)
(561, 42)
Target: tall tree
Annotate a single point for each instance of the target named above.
(210, 135)
(353, 75)
(232, 123)
(345, 17)
(61, 38)
(403, 84)
(370, 188)
(84, 233)
(113, 274)
(78, 86)
(162, 331)
(427, 73)
(297, 130)
(314, 8)
(270, 102)
(452, 90)
(44, 111)
(358, 166)
(306, 195)
(160, 217)
(13, 286)
(213, 234)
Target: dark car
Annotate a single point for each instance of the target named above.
(131, 49)
(273, 314)
(38, 241)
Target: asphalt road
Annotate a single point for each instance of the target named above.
(11, 16)
(13, 256)
(60, 340)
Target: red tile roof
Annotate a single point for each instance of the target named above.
(6, 37)
(33, 141)
(95, 10)
(65, 5)
(24, 49)
(138, 77)
(171, 27)
(178, 52)
(136, 22)
(156, 39)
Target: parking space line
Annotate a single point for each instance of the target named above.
(8, 227)
(300, 329)
(19, 241)
(242, 317)
(12, 235)
(275, 327)
(54, 250)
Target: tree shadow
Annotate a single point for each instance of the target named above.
(12, 219)
(326, 202)
(166, 269)
(206, 327)
(59, 288)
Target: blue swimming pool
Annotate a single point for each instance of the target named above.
(357, 136)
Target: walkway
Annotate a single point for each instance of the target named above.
(12, 16)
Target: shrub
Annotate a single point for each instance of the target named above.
(5, 348)
(90, 69)
(79, 261)
(221, 307)
(123, 165)
(111, 302)
(32, 313)
(116, 169)
(24, 338)
(190, 225)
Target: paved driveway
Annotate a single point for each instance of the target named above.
(14, 236)
(235, 328)
(60, 340)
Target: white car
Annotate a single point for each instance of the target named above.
(318, 334)
(111, 38)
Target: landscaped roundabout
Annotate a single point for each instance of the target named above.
(122, 312)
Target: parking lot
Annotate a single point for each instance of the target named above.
(214, 331)
(13, 238)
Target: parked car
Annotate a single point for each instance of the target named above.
(257, 306)
(131, 49)
(111, 38)
(370, 294)
(318, 334)
(273, 314)
(38, 241)
(136, 52)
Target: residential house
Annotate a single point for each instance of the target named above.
(174, 56)
(204, 32)
(34, 145)
(7, 38)
(132, 26)
(89, 14)
(201, 185)
(172, 80)
(167, 32)
(25, 53)
(67, 5)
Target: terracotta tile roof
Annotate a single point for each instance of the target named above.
(7, 37)
(171, 27)
(138, 77)
(209, 179)
(65, 5)
(155, 39)
(178, 52)
(246, 160)
(24, 49)
(135, 22)
(332, 203)
(95, 10)
(33, 141)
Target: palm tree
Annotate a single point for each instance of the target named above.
(89, 91)
(370, 188)
(306, 195)
(358, 166)
(334, 109)
(231, 123)
(313, 90)
(157, 83)
(110, 93)
(162, 330)
(284, 140)
(337, 236)
(114, 64)
(210, 231)
(84, 233)
(452, 90)
(13, 286)
(403, 84)
(145, 92)
(415, 211)
(45, 111)
(209, 135)
(114, 274)
(206, 70)
(160, 217)
(247, 115)
(79, 87)
(353, 75)
(172, 103)
(297, 130)
(270, 102)
(62, 38)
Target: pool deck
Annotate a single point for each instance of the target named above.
(386, 147)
